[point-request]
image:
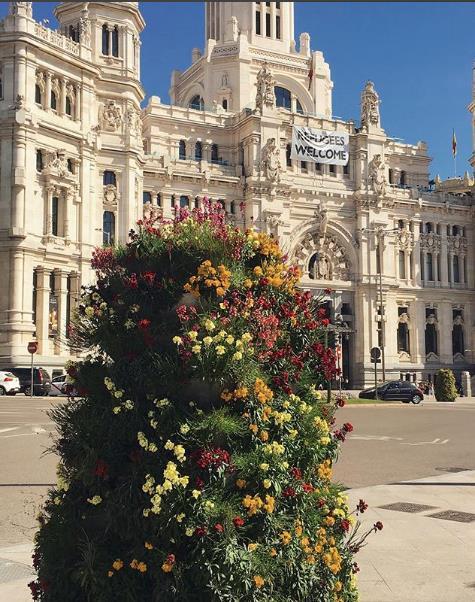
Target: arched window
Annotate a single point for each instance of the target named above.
(39, 160)
(283, 98)
(197, 103)
(182, 149)
(105, 39)
(54, 101)
(109, 178)
(299, 107)
(431, 338)
(198, 151)
(214, 153)
(70, 165)
(69, 106)
(458, 343)
(108, 228)
(115, 41)
(147, 197)
(288, 159)
(38, 95)
(184, 201)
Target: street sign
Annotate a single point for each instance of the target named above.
(32, 347)
(375, 353)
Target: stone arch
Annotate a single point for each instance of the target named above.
(296, 88)
(323, 254)
(194, 90)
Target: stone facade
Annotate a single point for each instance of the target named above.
(81, 162)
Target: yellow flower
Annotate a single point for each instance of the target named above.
(285, 537)
(142, 567)
(253, 428)
(207, 341)
(264, 466)
(258, 581)
(180, 517)
(329, 521)
(252, 546)
(177, 340)
(220, 350)
(264, 436)
(110, 573)
(189, 532)
(167, 567)
(148, 545)
(230, 339)
(196, 493)
(193, 335)
(95, 501)
(258, 270)
(267, 483)
(241, 483)
(247, 283)
(117, 564)
(196, 349)
(209, 325)
(338, 585)
(237, 356)
(273, 552)
(184, 429)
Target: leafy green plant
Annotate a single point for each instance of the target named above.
(444, 388)
(196, 464)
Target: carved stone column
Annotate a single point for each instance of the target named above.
(68, 202)
(435, 259)
(47, 101)
(61, 288)
(48, 229)
(62, 100)
(42, 308)
(462, 268)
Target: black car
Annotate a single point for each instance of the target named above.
(395, 390)
(41, 380)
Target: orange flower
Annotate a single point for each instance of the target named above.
(258, 581)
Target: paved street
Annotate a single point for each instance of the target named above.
(414, 558)
(392, 443)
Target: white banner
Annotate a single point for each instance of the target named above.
(320, 146)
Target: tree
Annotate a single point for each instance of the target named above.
(196, 464)
(445, 389)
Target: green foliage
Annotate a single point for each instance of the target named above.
(196, 464)
(445, 389)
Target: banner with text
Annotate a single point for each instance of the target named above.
(320, 146)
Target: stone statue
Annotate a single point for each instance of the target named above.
(322, 218)
(110, 116)
(225, 80)
(323, 267)
(19, 103)
(431, 319)
(265, 83)
(21, 8)
(270, 162)
(403, 318)
(370, 106)
(377, 175)
(458, 320)
(56, 162)
(85, 28)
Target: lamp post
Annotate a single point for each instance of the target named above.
(380, 232)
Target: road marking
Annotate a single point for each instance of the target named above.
(38, 429)
(434, 442)
(13, 428)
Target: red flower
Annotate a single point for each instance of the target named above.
(214, 458)
(144, 324)
(238, 521)
(218, 527)
(347, 427)
(131, 282)
(345, 524)
(296, 473)
(102, 469)
(149, 277)
(378, 526)
(171, 559)
(289, 492)
(361, 506)
(340, 402)
(308, 487)
(199, 483)
(201, 531)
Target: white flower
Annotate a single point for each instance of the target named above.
(184, 429)
(129, 404)
(89, 311)
(117, 409)
(95, 501)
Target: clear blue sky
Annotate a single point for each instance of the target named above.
(418, 54)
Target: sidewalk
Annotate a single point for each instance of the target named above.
(415, 558)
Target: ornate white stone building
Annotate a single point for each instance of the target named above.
(81, 162)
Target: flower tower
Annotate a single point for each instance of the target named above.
(196, 464)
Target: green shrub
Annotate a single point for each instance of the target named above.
(445, 389)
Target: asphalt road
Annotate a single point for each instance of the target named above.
(389, 444)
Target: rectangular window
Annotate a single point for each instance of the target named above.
(147, 197)
(378, 259)
(439, 274)
(402, 265)
(332, 169)
(411, 264)
(318, 167)
(54, 215)
(421, 263)
(277, 27)
(258, 23)
(456, 269)
(303, 166)
(429, 267)
(268, 25)
(346, 169)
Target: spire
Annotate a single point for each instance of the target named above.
(370, 118)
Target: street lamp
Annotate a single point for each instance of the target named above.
(380, 232)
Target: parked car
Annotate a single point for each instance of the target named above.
(395, 390)
(60, 385)
(9, 384)
(41, 380)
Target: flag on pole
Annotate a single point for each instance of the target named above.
(454, 144)
(310, 74)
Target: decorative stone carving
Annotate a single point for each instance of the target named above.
(431, 319)
(225, 81)
(57, 164)
(133, 121)
(404, 319)
(270, 161)
(40, 81)
(457, 244)
(377, 176)
(272, 222)
(110, 194)
(458, 320)
(18, 104)
(21, 9)
(56, 87)
(85, 27)
(110, 116)
(322, 258)
(265, 83)
(405, 239)
(370, 107)
(322, 220)
(430, 242)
